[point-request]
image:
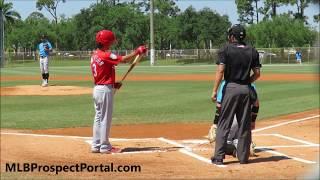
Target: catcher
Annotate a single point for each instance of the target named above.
(232, 137)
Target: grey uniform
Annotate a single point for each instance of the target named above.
(238, 60)
(103, 104)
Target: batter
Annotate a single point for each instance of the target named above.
(102, 64)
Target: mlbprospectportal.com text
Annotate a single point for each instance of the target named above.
(80, 167)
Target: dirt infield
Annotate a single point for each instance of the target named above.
(180, 77)
(287, 148)
(29, 90)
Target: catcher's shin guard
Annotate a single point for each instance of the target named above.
(254, 113)
(217, 115)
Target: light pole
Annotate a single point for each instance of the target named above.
(152, 51)
(1, 39)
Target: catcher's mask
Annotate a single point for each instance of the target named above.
(105, 38)
(238, 31)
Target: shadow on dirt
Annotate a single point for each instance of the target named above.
(137, 149)
(263, 159)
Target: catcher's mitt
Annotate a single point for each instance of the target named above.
(252, 149)
(212, 133)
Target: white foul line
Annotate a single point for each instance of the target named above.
(285, 123)
(287, 146)
(44, 135)
(74, 137)
(290, 157)
(296, 140)
(187, 150)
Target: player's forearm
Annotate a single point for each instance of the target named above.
(129, 57)
(219, 76)
(255, 75)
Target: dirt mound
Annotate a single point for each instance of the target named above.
(36, 90)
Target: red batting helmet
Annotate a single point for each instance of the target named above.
(105, 38)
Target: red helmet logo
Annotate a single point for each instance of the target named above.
(105, 37)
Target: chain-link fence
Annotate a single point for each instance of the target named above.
(310, 55)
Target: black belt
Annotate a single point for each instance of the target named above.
(43, 56)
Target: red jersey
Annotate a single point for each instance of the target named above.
(102, 67)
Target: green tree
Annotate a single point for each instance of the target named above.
(165, 22)
(212, 27)
(281, 31)
(66, 34)
(51, 6)
(301, 6)
(198, 28)
(8, 17)
(188, 34)
(245, 11)
(270, 7)
(129, 25)
(38, 24)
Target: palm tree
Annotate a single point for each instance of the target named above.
(8, 17)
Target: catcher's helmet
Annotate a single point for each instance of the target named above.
(105, 38)
(238, 31)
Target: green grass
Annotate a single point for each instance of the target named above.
(150, 102)
(146, 102)
(72, 67)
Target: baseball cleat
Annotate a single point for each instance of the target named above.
(217, 161)
(113, 150)
(95, 150)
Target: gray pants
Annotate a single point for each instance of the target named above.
(44, 65)
(236, 101)
(103, 104)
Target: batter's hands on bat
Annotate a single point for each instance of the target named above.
(141, 50)
(214, 96)
(117, 85)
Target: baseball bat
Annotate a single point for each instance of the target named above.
(136, 60)
(133, 64)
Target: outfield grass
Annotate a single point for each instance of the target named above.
(69, 67)
(147, 102)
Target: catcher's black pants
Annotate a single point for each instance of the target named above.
(236, 101)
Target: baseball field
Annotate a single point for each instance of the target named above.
(161, 117)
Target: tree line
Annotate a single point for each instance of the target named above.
(176, 29)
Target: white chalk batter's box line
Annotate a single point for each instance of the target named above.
(188, 151)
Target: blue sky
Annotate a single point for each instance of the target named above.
(228, 7)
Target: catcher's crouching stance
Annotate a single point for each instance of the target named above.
(232, 140)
